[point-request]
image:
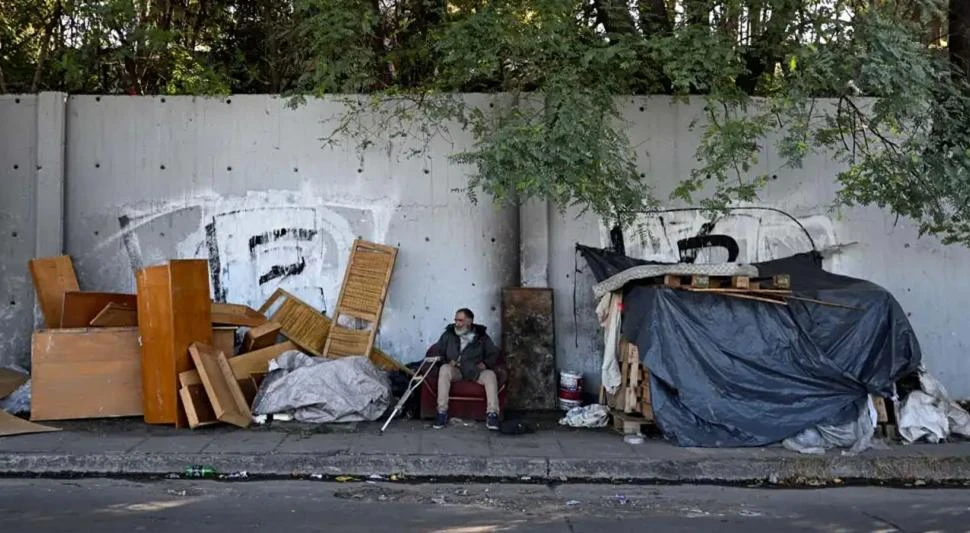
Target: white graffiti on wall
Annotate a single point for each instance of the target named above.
(760, 235)
(263, 241)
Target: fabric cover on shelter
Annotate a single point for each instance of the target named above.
(732, 372)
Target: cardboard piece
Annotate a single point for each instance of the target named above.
(10, 380)
(174, 310)
(225, 395)
(14, 425)
(85, 373)
(53, 276)
(78, 309)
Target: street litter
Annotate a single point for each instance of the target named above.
(589, 416)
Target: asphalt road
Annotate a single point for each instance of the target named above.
(46, 506)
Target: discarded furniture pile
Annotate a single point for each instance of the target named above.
(719, 355)
(169, 352)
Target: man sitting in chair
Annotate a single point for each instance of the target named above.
(467, 353)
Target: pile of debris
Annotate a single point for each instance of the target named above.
(169, 352)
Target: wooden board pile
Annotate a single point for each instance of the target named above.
(630, 406)
(168, 353)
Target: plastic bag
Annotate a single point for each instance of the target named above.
(589, 416)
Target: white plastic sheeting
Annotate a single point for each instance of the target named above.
(349, 389)
(930, 414)
(855, 435)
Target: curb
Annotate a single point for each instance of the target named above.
(796, 470)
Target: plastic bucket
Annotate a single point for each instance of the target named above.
(570, 390)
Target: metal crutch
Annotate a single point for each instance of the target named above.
(427, 365)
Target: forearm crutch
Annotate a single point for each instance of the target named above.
(427, 365)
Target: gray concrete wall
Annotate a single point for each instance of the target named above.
(245, 182)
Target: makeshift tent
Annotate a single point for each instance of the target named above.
(732, 372)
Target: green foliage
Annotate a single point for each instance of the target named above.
(553, 70)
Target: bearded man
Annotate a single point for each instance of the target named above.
(467, 353)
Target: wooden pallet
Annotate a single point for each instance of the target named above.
(633, 396)
(630, 423)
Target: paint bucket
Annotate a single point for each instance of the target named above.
(570, 389)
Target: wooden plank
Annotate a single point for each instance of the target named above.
(882, 416)
(224, 338)
(236, 315)
(53, 276)
(14, 425)
(198, 410)
(85, 373)
(10, 381)
(116, 316)
(225, 395)
(261, 337)
(80, 308)
(245, 365)
(174, 310)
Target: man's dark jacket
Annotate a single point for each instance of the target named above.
(480, 350)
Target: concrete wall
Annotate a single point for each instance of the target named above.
(31, 209)
(246, 183)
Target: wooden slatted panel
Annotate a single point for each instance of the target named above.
(309, 329)
(362, 296)
(346, 342)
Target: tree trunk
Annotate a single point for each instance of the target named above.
(45, 47)
(959, 37)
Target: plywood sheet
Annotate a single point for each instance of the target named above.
(174, 310)
(261, 337)
(236, 315)
(528, 332)
(116, 316)
(80, 308)
(13, 425)
(53, 276)
(85, 373)
(228, 402)
(10, 381)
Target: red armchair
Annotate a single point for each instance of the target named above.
(467, 398)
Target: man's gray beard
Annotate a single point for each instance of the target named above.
(462, 331)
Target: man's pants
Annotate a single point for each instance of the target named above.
(486, 378)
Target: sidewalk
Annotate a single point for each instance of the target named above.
(413, 450)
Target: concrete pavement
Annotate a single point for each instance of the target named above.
(413, 450)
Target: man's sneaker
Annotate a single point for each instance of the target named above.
(440, 421)
(491, 421)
